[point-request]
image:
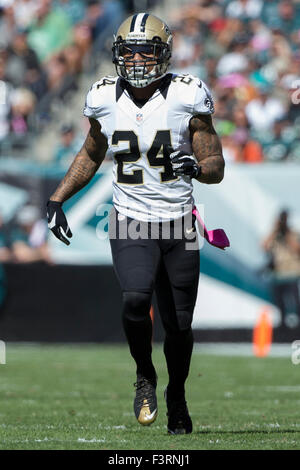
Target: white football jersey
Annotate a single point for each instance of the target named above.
(144, 187)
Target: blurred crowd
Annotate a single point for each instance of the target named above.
(44, 47)
(248, 52)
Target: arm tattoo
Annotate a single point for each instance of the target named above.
(85, 164)
(207, 149)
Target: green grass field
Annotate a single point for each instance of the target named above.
(80, 397)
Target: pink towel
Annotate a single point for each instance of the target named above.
(215, 237)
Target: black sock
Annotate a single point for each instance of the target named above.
(178, 351)
(137, 325)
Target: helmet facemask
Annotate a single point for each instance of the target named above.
(152, 64)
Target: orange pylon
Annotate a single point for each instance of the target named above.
(152, 314)
(152, 318)
(262, 334)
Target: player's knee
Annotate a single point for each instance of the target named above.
(178, 336)
(136, 305)
(182, 327)
(184, 320)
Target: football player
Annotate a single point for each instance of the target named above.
(157, 127)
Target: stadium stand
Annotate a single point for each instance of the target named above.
(248, 53)
(246, 50)
(43, 55)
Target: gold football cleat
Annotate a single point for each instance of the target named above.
(146, 417)
(145, 402)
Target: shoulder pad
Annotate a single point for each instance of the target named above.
(98, 95)
(204, 103)
(193, 93)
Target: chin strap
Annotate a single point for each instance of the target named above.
(217, 237)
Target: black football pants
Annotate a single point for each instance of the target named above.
(161, 262)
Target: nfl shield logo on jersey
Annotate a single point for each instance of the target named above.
(139, 117)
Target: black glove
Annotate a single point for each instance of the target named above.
(184, 165)
(57, 221)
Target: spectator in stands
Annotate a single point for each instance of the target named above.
(235, 60)
(61, 80)
(22, 66)
(22, 106)
(74, 59)
(283, 245)
(288, 20)
(278, 56)
(21, 60)
(51, 30)
(263, 111)
(283, 249)
(277, 142)
(93, 17)
(222, 33)
(74, 9)
(240, 120)
(7, 25)
(68, 147)
(187, 47)
(100, 14)
(252, 152)
(25, 12)
(232, 151)
(244, 9)
(205, 11)
(269, 13)
(5, 252)
(82, 37)
(29, 239)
